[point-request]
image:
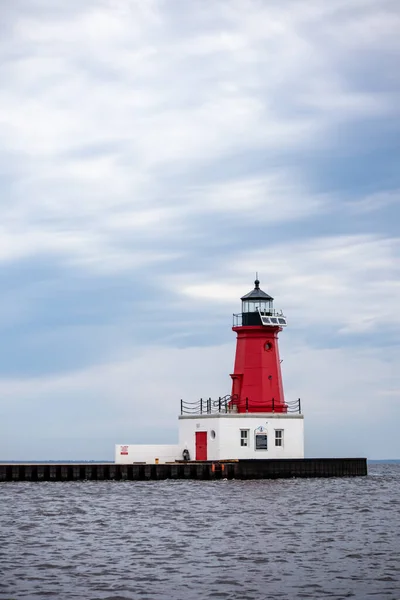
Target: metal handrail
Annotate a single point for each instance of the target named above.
(230, 403)
(265, 313)
(209, 406)
(237, 318)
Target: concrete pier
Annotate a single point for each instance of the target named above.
(241, 469)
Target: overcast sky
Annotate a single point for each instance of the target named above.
(153, 156)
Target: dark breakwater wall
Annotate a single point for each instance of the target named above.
(242, 469)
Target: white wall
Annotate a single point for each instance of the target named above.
(226, 444)
(130, 453)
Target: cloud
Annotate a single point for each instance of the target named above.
(81, 415)
(153, 156)
(250, 196)
(376, 202)
(349, 282)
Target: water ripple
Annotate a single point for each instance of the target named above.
(184, 540)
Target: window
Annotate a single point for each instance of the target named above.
(244, 437)
(261, 441)
(278, 437)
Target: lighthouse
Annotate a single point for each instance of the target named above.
(254, 421)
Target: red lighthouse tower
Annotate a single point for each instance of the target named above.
(257, 379)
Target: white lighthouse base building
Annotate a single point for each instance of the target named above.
(224, 436)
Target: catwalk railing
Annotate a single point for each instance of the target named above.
(231, 404)
(277, 316)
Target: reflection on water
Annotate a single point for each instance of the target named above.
(299, 538)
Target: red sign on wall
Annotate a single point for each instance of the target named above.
(124, 450)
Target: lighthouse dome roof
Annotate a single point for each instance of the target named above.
(257, 293)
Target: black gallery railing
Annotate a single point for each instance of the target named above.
(230, 404)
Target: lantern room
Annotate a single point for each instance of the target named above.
(258, 309)
(255, 304)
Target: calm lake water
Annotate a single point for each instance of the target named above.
(286, 539)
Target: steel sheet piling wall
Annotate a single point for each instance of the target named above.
(242, 469)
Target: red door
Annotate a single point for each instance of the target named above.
(201, 445)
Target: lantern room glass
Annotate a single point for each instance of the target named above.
(251, 306)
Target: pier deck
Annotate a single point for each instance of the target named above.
(241, 469)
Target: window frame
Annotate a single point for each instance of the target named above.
(279, 438)
(244, 438)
